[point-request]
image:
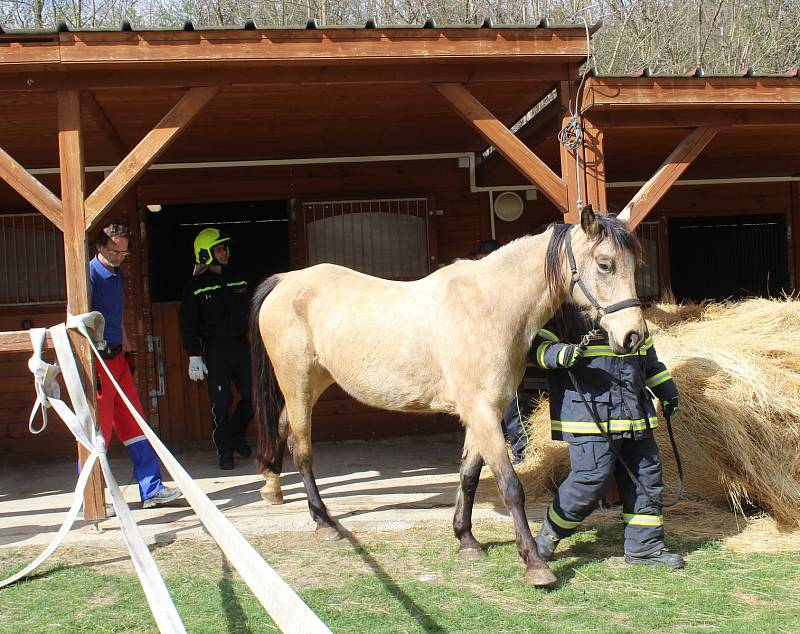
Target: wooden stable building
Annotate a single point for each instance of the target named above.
(389, 150)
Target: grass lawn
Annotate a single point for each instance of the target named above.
(412, 581)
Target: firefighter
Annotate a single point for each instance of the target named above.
(615, 388)
(213, 320)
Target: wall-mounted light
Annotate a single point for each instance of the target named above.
(154, 208)
(508, 206)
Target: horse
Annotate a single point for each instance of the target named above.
(455, 341)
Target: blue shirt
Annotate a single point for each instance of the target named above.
(108, 298)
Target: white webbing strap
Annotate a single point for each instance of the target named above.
(44, 379)
(279, 600)
(83, 428)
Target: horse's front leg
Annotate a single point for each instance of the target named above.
(484, 423)
(271, 491)
(471, 463)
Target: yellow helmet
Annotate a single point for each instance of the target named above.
(205, 241)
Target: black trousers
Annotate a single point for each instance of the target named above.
(517, 411)
(592, 466)
(228, 362)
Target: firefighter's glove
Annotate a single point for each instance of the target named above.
(197, 369)
(568, 355)
(670, 406)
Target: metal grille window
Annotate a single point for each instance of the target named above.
(648, 285)
(387, 238)
(32, 261)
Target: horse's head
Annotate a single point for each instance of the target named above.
(600, 275)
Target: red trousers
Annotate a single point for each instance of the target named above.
(111, 408)
(114, 415)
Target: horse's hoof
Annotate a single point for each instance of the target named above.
(328, 533)
(271, 491)
(470, 554)
(271, 497)
(540, 577)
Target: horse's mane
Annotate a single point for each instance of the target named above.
(609, 227)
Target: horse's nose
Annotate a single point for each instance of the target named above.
(632, 341)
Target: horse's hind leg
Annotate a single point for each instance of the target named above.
(483, 422)
(298, 406)
(271, 491)
(471, 463)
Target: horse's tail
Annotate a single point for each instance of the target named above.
(267, 398)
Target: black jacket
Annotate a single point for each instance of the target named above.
(214, 306)
(614, 385)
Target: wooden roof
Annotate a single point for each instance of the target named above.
(286, 93)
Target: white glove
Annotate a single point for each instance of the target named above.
(197, 369)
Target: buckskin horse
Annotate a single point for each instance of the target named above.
(455, 341)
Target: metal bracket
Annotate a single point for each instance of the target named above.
(154, 345)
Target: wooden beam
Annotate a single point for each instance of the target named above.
(20, 341)
(258, 73)
(543, 126)
(146, 152)
(100, 117)
(31, 189)
(670, 171)
(613, 93)
(514, 150)
(70, 150)
(571, 174)
(305, 46)
(687, 117)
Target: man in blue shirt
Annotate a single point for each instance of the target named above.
(108, 298)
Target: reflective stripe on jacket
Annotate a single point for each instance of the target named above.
(614, 386)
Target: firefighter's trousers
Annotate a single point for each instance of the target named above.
(593, 464)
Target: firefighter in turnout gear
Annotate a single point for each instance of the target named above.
(615, 387)
(213, 321)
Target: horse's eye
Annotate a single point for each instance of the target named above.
(604, 266)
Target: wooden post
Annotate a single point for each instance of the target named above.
(794, 247)
(594, 165)
(569, 174)
(76, 252)
(664, 263)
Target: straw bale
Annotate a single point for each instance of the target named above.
(737, 366)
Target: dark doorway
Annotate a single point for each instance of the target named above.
(731, 256)
(259, 234)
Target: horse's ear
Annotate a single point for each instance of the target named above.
(589, 221)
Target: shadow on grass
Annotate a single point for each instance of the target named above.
(234, 613)
(425, 621)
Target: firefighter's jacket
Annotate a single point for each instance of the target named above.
(615, 386)
(214, 306)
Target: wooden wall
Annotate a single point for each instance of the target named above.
(182, 416)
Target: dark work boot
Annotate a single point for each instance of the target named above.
(662, 557)
(226, 461)
(546, 541)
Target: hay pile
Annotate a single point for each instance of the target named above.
(737, 366)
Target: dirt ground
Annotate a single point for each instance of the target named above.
(383, 485)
